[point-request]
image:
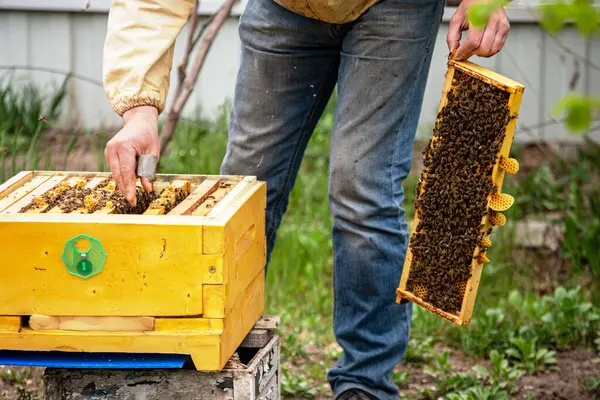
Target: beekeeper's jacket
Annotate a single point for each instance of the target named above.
(138, 52)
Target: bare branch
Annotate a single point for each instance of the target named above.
(544, 146)
(567, 50)
(201, 32)
(189, 47)
(208, 34)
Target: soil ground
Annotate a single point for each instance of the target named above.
(564, 384)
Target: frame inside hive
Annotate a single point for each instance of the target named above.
(42, 192)
(460, 289)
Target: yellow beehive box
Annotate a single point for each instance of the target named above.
(182, 273)
(459, 198)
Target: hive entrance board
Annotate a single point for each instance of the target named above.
(458, 196)
(180, 273)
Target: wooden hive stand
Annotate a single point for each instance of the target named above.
(252, 373)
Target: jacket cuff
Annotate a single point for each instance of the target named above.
(123, 103)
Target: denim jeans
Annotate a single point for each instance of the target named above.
(289, 67)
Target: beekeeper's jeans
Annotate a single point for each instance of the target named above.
(289, 67)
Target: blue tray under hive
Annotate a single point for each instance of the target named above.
(59, 359)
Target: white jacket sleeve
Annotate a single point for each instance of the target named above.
(138, 51)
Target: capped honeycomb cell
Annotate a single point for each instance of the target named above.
(169, 197)
(510, 165)
(482, 258)
(486, 243)
(497, 219)
(501, 201)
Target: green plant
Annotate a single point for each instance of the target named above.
(440, 365)
(540, 191)
(13, 377)
(22, 106)
(592, 383)
(32, 157)
(562, 319)
(293, 346)
(479, 14)
(480, 393)
(526, 355)
(577, 109)
(502, 375)
(418, 350)
(198, 147)
(296, 385)
(25, 114)
(488, 330)
(453, 383)
(554, 16)
(571, 319)
(582, 233)
(597, 344)
(400, 378)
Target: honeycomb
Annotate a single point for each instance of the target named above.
(501, 201)
(462, 288)
(420, 291)
(510, 165)
(486, 243)
(482, 258)
(497, 219)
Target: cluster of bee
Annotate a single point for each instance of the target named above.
(116, 199)
(170, 196)
(47, 201)
(456, 183)
(72, 199)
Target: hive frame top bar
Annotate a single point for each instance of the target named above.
(217, 217)
(87, 174)
(488, 76)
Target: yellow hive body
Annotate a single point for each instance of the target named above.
(498, 201)
(189, 281)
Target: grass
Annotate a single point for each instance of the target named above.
(515, 330)
(518, 330)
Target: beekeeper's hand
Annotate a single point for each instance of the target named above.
(138, 136)
(480, 42)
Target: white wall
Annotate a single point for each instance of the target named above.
(58, 35)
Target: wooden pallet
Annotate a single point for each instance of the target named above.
(253, 372)
(503, 164)
(185, 275)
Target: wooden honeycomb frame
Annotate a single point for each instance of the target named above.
(497, 202)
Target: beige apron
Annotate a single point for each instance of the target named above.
(331, 11)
